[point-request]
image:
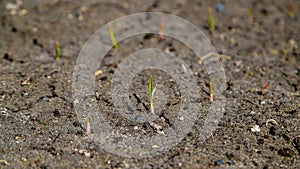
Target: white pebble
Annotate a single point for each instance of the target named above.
(256, 128)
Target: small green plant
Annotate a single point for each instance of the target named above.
(57, 51)
(151, 93)
(211, 22)
(112, 37)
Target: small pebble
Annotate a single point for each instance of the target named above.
(98, 72)
(45, 98)
(11, 6)
(219, 162)
(138, 118)
(23, 12)
(231, 162)
(220, 7)
(255, 128)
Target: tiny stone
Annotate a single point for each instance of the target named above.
(45, 98)
(13, 12)
(136, 128)
(87, 154)
(138, 118)
(231, 162)
(70, 16)
(98, 72)
(255, 128)
(23, 12)
(219, 162)
(11, 6)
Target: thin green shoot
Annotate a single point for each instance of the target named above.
(151, 93)
(211, 22)
(57, 51)
(112, 37)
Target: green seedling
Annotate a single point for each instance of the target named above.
(292, 10)
(211, 22)
(151, 93)
(57, 50)
(112, 37)
(211, 95)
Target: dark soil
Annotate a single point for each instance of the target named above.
(38, 124)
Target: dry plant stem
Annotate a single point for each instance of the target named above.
(292, 10)
(88, 127)
(211, 96)
(161, 30)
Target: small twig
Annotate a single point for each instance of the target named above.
(88, 126)
(250, 101)
(271, 121)
(5, 162)
(211, 96)
(26, 82)
(225, 56)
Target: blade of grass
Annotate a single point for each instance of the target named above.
(112, 37)
(57, 51)
(150, 90)
(211, 22)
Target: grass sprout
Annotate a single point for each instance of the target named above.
(112, 37)
(57, 51)
(211, 22)
(151, 93)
